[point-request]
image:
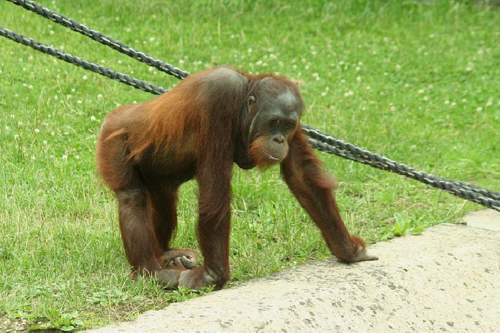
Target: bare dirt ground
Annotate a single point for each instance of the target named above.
(447, 279)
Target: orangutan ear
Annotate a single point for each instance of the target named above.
(251, 100)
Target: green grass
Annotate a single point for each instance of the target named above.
(416, 81)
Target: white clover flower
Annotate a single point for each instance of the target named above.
(37, 131)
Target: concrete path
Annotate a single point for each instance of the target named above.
(447, 279)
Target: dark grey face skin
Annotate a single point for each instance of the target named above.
(274, 110)
(277, 117)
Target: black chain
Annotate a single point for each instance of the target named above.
(97, 36)
(319, 140)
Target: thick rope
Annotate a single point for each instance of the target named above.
(329, 144)
(124, 78)
(97, 36)
(319, 140)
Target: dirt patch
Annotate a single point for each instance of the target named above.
(13, 325)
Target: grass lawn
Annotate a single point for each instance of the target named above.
(416, 81)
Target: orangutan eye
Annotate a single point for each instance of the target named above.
(275, 122)
(288, 125)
